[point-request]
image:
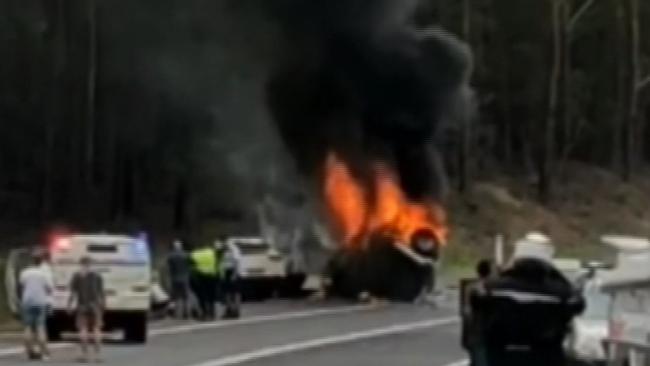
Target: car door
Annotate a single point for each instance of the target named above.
(17, 260)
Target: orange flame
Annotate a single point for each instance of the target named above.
(358, 214)
(345, 198)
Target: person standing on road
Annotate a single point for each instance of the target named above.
(473, 331)
(230, 267)
(46, 267)
(527, 310)
(179, 266)
(35, 291)
(426, 245)
(206, 273)
(86, 303)
(219, 252)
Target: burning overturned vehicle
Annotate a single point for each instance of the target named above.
(358, 99)
(389, 245)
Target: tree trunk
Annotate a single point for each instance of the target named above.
(91, 89)
(548, 144)
(566, 107)
(618, 120)
(505, 105)
(466, 133)
(632, 80)
(180, 204)
(51, 121)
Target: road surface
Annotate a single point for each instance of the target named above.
(285, 333)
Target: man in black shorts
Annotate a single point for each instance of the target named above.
(87, 304)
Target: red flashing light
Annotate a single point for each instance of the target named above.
(62, 244)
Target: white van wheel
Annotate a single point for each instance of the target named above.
(136, 329)
(53, 331)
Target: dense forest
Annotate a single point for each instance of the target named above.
(151, 114)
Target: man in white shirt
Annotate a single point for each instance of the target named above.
(230, 271)
(47, 270)
(35, 291)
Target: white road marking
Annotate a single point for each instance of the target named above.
(20, 350)
(459, 363)
(263, 353)
(5, 352)
(261, 319)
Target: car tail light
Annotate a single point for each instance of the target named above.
(61, 244)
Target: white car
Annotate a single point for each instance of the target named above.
(589, 330)
(262, 267)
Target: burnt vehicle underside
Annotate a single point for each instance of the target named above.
(384, 269)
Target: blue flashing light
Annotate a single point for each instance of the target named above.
(141, 247)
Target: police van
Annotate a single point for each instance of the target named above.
(124, 264)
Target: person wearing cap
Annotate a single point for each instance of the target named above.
(35, 290)
(527, 309)
(86, 303)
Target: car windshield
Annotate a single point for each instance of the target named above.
(597, 304)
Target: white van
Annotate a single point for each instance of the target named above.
(124, 264)
(629, 286)
(262, 267)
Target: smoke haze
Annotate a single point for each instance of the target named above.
(359, 80)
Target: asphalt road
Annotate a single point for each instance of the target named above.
(290, 333)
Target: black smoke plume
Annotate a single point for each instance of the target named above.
(359, 80)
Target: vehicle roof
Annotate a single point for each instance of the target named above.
(632, 271)
(101, 237)
(255, 240)
(626, 243)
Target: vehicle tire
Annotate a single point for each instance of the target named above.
(53, 331)
(259, 293)
(136, 330)
(291, 286)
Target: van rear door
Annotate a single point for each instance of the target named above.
(123, 263)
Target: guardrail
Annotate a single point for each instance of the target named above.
(627, 353)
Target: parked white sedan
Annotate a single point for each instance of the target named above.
(585, 342)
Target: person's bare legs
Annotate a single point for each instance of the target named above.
(97, 335)
(82, 326)
(41, 341)
(29, 346)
